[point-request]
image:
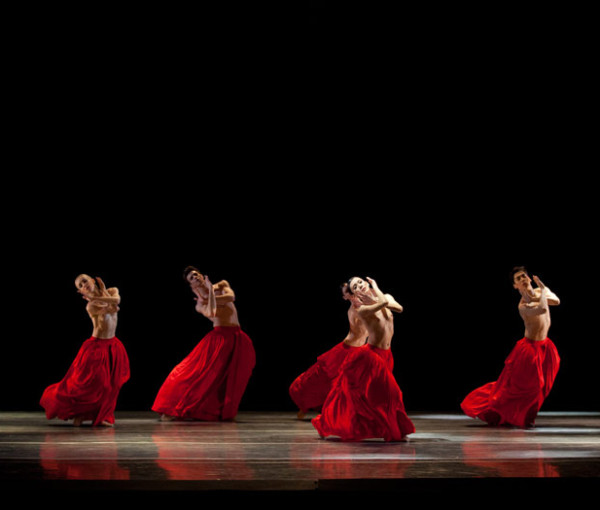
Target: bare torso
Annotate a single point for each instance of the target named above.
(380, 328)
(357, 334)
(536, 325)
(104, 316)
(377, 316)
(226, 315)
(225, 312)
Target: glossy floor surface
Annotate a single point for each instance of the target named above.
(274, 451)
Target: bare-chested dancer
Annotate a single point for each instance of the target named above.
(102, 306)
(210, 382)
(530, 369)
(534, 304)
(310, 388)
(357, 332)
(91, 386)
(365, 400)
(374, 309)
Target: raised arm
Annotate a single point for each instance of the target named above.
(223, 293)
(110, 296)
(378, 298)
(551, 297)
(546, 298)
(206, 305)
(393, 305)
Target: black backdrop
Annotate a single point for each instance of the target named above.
(445, 257)
(431, 160)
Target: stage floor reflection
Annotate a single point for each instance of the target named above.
(275, 450)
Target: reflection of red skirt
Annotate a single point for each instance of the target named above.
(526, 380)
(310, 389)
(365, 400)
(209, 383)
(91, 385)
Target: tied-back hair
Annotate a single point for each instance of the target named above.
(347, 285)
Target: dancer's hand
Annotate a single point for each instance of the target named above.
(540, 285)
(373, 283)
(101, 286)
(366, 298)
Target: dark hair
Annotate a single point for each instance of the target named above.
(348, 284)
(515, 270)
(188, 270)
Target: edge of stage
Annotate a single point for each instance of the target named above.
(275, 454)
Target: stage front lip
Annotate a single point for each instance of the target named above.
(274, 451)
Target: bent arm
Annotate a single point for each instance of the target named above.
(109, 297)
(379, 298)
(223, 293)
(208, 306)
(552, 298)
(393, 305)
(537, 307)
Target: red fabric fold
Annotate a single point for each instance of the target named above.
(210, 382)
(365, 401)
(92, 383)
(523, 385)
(310, 389)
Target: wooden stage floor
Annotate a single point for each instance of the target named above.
(264, 452)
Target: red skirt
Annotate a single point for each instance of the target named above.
(209, 383)
(524, 383)
(310, 389)
(91, 385)
(365, 400)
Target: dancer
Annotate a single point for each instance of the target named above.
(90, 388)
(309, 389)
(210, 382)
(365, 400)
(529, 370)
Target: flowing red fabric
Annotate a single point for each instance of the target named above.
(365, 401)
(210, 382)
(92, 383)
(310, 389)
(524, 383)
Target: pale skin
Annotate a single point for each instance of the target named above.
(357, 332)
(375, 309)
(213, 301)
(534, 306)
(102, 307)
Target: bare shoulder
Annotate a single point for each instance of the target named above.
(223, 288)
